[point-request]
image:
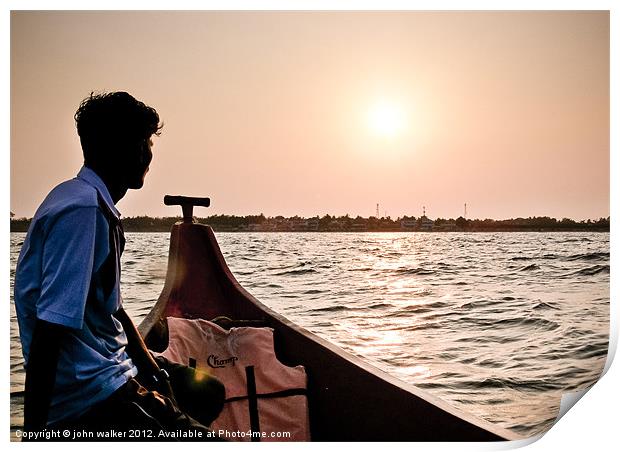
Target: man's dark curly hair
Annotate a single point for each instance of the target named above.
(110, 122)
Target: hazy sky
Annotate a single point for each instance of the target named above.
(311, 113)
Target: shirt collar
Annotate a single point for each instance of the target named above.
(90, 177)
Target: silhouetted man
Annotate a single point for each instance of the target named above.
(86, 363)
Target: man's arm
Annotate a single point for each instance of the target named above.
(140, 355)
(41, 373)
(66, 268)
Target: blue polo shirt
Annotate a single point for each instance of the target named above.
(68, 273)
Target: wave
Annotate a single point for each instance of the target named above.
(521, 258)
(530, 267)
(529, 322)
(360, 269)
(575, 239)
(588, 256)
(420, 309)
(499, 383)
(251, 259)
(301, 271)
(377, 306)
(515, 383)
(336, 308)
(244, 273)
(543, 305)
(573, 257)
(489, 339)
(592, 350)
(478, 304)
(590, 271)
(414, 271)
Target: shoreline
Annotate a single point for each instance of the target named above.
(381, 231)
(347, 224)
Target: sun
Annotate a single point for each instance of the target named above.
(386, 119)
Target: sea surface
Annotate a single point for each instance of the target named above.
(500, 325)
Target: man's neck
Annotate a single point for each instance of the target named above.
(116, 193)
(115, 187)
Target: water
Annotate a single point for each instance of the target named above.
(497, 324)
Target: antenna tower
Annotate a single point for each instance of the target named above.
(465, 211)
(377, 214)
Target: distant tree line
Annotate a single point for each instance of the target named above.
(536, 224)
(346, 223)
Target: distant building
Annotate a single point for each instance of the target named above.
(336, 225)
(426, 224)
(445, 227)
(297, 224)
(408, 224)
(312, 224)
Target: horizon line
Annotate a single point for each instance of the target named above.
(607, 218)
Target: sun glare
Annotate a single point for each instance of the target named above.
(386, 119)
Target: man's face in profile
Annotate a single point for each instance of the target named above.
(137, 164)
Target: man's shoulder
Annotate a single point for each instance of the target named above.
(69, 195)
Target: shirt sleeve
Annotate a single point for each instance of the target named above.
(67, 267)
